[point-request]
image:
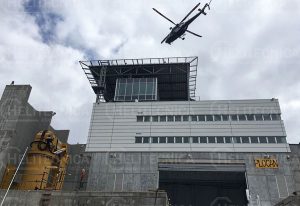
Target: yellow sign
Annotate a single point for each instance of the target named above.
(266, 163)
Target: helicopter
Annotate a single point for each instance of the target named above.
(178, 31)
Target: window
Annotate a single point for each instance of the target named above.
(154, 139)
(271, 140)
(225, 117)
(258, 117)
(209, 118)
(266, 117)
(245, 140)
(281, 140)
(254, 140)
(237, 140)
(275, 116)
(220, 139)
(211, 140)
(195, 140)
(186, 139)
(146, 118)
(177, 118)
(227, 139)
(263, 140)
(234, 117)
(217, 117)
(130, 89)
(154, 118)
(139, 118)
(162, 140)
(242, 117)
(185, 118)
(162, 118)
(146, 139)
(201, 118)
(138, 139)
(203, 139)
(178, 139)
(250, 117)
(194, 118)
(170, 118)
(170, 139)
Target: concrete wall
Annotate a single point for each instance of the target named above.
(139, 171)
(44, 198)
(19, 123)
(78, 160)
(114, 126)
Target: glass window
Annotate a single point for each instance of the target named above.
(186, 139)
(237, 140)
(139, 118)
(195, 140)
(225, 117)
(227, 139)
(162, 140)
(154, 139)
(209, 118)
(146, 139)
(170, 118)
(242, 117)
(146, 118)
(201, 118)
(203, 139)
(170, 139)
(177, 118)
(185, 118)
(217, 117)
(262, 140)
(275, 116)
(271, 140)
(250, 117)
(254, 140)
(220, 139)
(245, 140)
(178, 139)
(129, 89)
(138, 139)
(162, 118)
(267, 117)
(281, 140)
(154, 118)
(194, 118)
(211, 140)
(234, 117)
(258, 117)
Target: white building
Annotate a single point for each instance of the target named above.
(148, 132)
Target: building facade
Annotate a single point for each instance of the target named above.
(147, 132)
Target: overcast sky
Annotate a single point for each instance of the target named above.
(249, 50)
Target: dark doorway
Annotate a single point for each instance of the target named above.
(204, 188)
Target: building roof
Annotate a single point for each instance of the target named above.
(176, 76)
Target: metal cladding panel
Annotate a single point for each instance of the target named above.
(115, 125)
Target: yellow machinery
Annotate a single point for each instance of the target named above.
(45, 167)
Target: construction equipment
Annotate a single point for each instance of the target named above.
(45, 165)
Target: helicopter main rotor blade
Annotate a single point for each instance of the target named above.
(190, 12)
(193, 33)
(164, 16)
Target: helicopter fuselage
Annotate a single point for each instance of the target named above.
(179, 29)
